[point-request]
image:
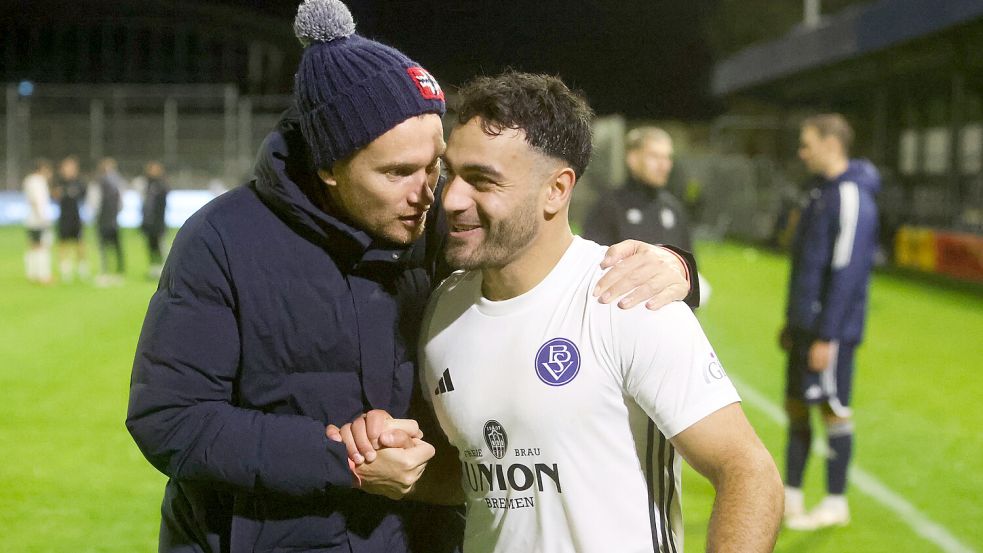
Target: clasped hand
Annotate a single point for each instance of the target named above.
(388, 455)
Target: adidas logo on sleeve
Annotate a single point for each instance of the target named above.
(444, 384)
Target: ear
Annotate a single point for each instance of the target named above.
(560, 190)
(327, 177)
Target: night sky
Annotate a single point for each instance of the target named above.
(643, 58)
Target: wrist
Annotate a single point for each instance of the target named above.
(682, 264)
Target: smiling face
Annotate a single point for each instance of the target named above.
(387, 187)
(495, 196)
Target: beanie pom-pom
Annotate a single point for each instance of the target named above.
(322, 21)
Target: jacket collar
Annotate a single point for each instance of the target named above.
(286, 181)
(642, 189)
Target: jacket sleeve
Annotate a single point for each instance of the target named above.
(600, 224)
(810, 263)
(684, 223)
(692, 299)
(182, 410)
(847, 265)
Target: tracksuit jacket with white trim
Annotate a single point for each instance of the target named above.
(832, 255)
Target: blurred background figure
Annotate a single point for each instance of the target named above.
(644, 208)
(37, 260)
(69, 191)
(154, 207)
(111, 187)
(832, 256)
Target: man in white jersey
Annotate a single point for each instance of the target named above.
(567, 415)
(37, 194)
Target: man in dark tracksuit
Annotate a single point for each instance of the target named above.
(643, 209)
(832, 257)
(111, 186)
(69, 191)
(293, 303)
(154, 225)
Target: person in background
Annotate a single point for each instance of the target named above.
(832, 256)
(644, 208)
(37, 259)
(69, 191)
(111, 186)
(154, 208)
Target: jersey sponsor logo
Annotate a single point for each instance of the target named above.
(634, 216)
(557, 362)
(714, 370)
(510, 503)
(496, 438)
(494, 477)
(444, 384)
(428, 86)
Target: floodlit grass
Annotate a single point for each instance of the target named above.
(72, 480)
(916, 399)
(71, 477)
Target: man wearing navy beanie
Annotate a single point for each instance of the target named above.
(294, 303)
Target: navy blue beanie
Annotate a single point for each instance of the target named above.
(350, 90)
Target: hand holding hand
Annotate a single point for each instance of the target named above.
(388, 455)
(372, 431)
(394, 471)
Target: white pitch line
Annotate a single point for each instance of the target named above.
(868, 483)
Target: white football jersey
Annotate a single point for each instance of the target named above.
(561, 409)
(38, 202)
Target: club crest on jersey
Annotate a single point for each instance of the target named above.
(424, 81)
(496, 438)
(557, 362)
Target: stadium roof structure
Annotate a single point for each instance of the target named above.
(857, 33)
(145, 41)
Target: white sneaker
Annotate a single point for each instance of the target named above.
(800, 521)
(794, 503)
(103, 281)
(831, 511)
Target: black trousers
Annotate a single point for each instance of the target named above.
(109, 244)
(153, 246)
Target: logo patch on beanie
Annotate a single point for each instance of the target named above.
(426, 83)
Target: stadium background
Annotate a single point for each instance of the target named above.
(197, 85)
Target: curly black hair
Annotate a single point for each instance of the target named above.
(556, 120)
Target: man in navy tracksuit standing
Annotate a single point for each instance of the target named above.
(294, 303)
(832, 256)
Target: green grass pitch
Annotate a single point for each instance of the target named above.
(71, 479)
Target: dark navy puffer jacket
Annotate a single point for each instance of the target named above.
(273, 319)
(833, 254)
